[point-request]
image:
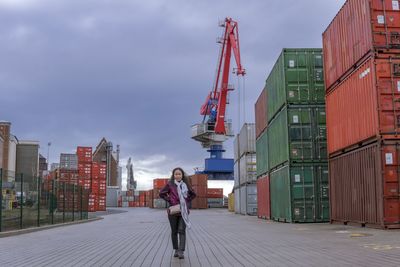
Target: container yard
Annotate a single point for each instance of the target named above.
(283, 142)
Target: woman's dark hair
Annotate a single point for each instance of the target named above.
(185, 179)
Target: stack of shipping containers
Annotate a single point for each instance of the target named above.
(263, 193)
(158, 184)
(99, 184)
(215, 198)
(84, 155)
(362, 75)
(291, 149)
(245, 188)
(68, 175)
(199, 185)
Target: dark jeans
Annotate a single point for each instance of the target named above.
(178, 226)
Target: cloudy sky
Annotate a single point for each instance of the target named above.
(136, 72)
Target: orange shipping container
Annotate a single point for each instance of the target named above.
(160, 183)
(261, 113)
(366, 104)
(359, 27)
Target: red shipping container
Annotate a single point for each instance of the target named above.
(199, 203)
(364, 186)
(366, 104)
(199, 179)
(84, 154)
(160, 182)
(360, 27)
(215, 193)
(260, 109)
(102, 188)
(201, 191)
(263, 198)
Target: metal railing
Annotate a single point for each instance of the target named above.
(29, 201)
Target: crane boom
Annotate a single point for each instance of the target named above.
(216, 101)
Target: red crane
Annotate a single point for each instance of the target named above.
(215, 130)
(215, 105)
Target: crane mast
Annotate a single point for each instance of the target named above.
(215, 128)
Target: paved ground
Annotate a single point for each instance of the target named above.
(141, 237)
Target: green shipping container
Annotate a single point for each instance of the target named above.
(297, 134)
(299, 193)
(296, 78)
(262, 154)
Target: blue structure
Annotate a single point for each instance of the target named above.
(216, 167)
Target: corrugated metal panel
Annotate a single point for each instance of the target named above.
(262, 154)
(247, 139)
(231, 202)
(251, 191)
(366, 104)
(243, 200)
(237, 200)
(236, 174)
(263, 198)
(299, 193)
(236, 155)
(359, 27)
(260, 109)
(247, 168)
(68, 161)
(297, 134)
(296, 78)
(365, 185)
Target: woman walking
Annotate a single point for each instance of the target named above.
(178, 193)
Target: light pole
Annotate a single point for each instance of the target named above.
(48, 155)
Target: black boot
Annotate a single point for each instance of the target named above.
(180, 254)
(176, 253)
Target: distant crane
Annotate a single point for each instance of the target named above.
(215, 128)
(131, 183)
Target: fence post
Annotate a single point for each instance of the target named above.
(53, 184)
(39, 184)
(81, 206)
(21, 200)
(73, 202)
(1, 198)
(64, 196)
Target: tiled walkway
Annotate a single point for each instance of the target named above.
(141, 237)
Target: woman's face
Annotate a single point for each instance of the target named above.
(178, 175)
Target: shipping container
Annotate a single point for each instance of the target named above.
(262, 165)
(215, 192)
(215, 202)
(360, 26)
(260, 110)
(296, 78)
(299, 193)
(247, 168)
(237, 200)
(236, 152)
(366, 104)
(198, 179)
(248, 199)
(159, 203)
(68, 161)
(199, 203)
(231, 202)
(247, 139)
(84, 154)
(160, 183)
(297, 134)
(365, 185)
(263, 198)
(236, 174)
(200, 190)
